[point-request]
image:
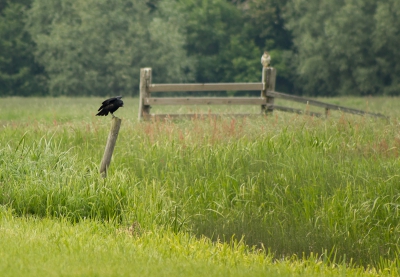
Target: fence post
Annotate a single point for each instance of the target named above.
(327, 112)
(145, 81)
(268, 80)
(111, 141)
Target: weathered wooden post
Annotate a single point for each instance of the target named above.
(111, 141)
(327, 112)
(145, 81)
(268, 80)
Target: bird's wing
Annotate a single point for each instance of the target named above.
(112, 99)
(109, 101)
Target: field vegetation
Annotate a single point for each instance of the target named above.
(283, 195)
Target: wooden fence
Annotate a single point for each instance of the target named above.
(265, 101)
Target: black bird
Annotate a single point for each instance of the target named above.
(110, 106)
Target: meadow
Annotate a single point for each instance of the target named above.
(283, 195)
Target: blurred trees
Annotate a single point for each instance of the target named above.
(386, 45)
(96, 47)
(19, 73)
(345, 47)
(264, 25)
(216, 41)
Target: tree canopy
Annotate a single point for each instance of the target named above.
(345, 47)
(20, 74)
(97, 47)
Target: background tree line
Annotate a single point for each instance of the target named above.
(96, 47)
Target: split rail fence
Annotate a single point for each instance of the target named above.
(265, 101)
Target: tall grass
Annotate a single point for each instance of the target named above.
(292, 184)
(43, 247)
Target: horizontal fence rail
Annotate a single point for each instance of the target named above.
(197, 115)
(298, 111)
(147, 100)
(205, 87)
(312, 102)
(214, 115)
(205, 101)
(265, 101)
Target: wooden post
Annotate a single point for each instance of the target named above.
(112, 139)
(327, 112)
(145, 81)
(264, 88)
(268, 80)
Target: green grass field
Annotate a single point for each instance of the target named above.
(285, 195)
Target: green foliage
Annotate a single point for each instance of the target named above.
(168, 57)
(98, 47)
(340, 46)
(386, 40)
(264, 25)
(215, 39)
(320, 47)
(19, 73)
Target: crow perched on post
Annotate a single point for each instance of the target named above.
(110, 106)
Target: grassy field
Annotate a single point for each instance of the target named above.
(286, 195)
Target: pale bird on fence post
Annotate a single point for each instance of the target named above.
(265, 59)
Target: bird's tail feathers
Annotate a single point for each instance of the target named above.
(101, 113)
